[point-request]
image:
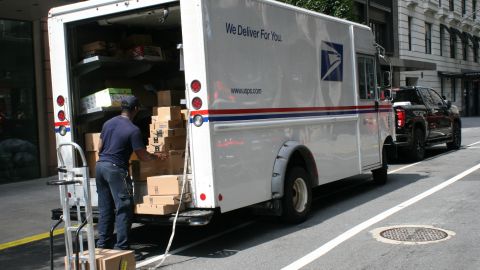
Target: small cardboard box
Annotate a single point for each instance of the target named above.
(157, 124)
(166, 199)
(153, 209)
(107, 259)
(184, 114)
(92, 141)
(168, 132)
(141, 170)
(92, 157)
(109, 97)
(167, 113)
(166, 185)
(170, 97)
(150, 53)
(95, 46)
(166, 144)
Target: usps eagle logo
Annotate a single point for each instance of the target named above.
(332, 61)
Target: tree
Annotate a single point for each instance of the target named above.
(337, 8)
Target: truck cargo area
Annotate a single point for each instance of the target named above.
(137, 53)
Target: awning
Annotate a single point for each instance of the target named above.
(446, 74)
(412, 65)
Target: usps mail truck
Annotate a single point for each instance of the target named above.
(280, 99)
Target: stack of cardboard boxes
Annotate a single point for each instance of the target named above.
(107, 259)
(91, 147)
(163, 195)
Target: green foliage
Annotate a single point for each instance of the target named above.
(337, 8)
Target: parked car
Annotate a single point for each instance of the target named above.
(423, 118)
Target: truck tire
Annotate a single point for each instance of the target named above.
(297, 197)
(417, 149)
(456, 137)
(380, 175)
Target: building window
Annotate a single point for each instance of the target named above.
(465, 49)
(464, 7)
(442, 36)
(454, 90)
(474, 9)
(428, 38)
(475, 53)
(453, 45)
(366, 77)
(440, 3)
(450, 5)
(409, 33)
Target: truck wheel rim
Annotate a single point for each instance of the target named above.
(300, 195)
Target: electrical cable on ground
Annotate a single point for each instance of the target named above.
(184, 181)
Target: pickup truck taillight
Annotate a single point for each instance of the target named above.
(400, 117)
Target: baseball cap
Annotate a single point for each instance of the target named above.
(129, 102)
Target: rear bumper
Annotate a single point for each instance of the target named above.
(190, 217)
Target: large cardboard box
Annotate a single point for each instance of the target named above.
(109, 97)
(153, 209)
(166, 144)
(145, 97)
(177, 161)
(157, 124)
(141, 170)
(167, 113)
(109, 259)
(166, 199)
(170, 97)
(166, 185)
(92, 141)
(92, 157)
(168, 132)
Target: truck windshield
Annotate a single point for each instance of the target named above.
(407, 95)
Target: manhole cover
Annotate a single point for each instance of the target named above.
(411, 234)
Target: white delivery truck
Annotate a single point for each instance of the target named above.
(280, 99)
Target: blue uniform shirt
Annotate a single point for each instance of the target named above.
(120, 137)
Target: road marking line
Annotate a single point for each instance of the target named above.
(30, 239)
(473, 144)
(310, 257)
(404, 167)
(159, 257)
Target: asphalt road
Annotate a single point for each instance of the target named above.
(340, 231)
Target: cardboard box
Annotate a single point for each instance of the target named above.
(92, 157)
(141, 170)
(155, 125)
(149, 53)
(184, 114)
(107, 259)
(153, 209)
(168, 132)
(95, 46)
(170, 97)
(145, 97)
(167, 113)
(92, 141)
(166, 199)
(109, 97)
(166, 144)
(166, 185)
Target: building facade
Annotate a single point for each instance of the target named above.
(446, 33)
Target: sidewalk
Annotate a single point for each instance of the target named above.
(25, 208)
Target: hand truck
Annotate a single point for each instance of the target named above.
(71, 175)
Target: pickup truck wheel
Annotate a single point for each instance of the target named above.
(297, 197)
(456, 138)
(380, 175)
(417, 150)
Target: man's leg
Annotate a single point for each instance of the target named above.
(105, 207)
(122, 196)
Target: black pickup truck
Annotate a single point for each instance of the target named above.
(423, 118)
